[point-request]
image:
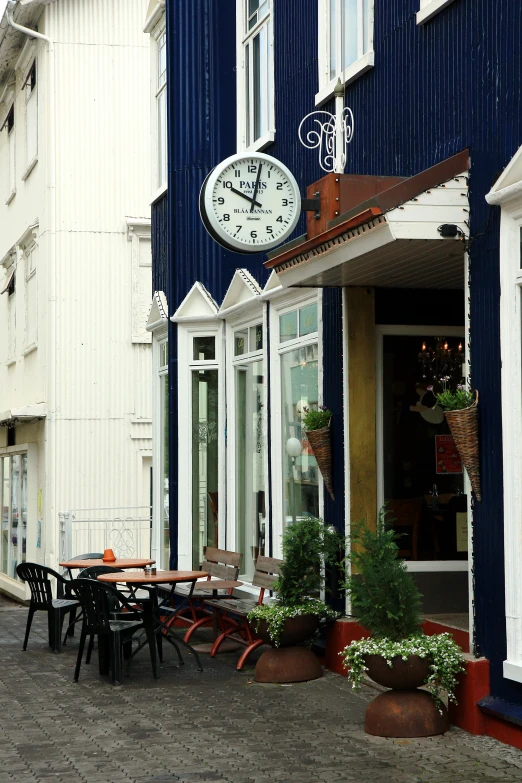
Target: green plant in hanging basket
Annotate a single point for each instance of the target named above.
(316, 419)
(454, 399)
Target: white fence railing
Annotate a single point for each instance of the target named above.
(127, 531)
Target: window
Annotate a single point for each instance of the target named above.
(31, 120)
(299, 370)
(429, 8)
(11, 324)
(250, 445)
(13, 484)
(255, 74)
(345, 42)
(31, 297)
(204, 420)
(161, 110)
(10, 126)
(164, 450)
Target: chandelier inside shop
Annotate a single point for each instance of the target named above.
(442, 360)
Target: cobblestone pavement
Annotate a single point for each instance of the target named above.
(212, 727)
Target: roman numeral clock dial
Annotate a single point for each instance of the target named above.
(250, 203)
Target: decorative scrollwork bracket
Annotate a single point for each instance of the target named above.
(328, 133)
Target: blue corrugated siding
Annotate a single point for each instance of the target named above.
(159, 235)
(434, 90)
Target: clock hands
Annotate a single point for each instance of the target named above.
(254, 202)
(256, 187)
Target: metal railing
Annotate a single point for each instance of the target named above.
(127, 531)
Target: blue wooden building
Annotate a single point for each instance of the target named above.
(365, 309)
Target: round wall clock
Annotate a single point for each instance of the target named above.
(250, 203)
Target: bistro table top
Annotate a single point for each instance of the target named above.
(120, 562)
(139, 577)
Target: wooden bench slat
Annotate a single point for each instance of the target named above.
(269, 565)
(220, 571)
(264, 580)
(222, 556)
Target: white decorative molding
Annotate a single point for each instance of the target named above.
(25, 58)
(158, 313)
(155, 11)
(243, 288)
(139, 234)
(198, 305)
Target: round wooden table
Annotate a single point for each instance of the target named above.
(120, 562)
(136, 578)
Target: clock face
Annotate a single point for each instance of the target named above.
(250, 203)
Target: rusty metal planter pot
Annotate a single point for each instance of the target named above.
(403, 711)
(295, 630)
(288, 663)
(321, 443)
(463, 426)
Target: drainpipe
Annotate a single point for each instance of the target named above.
(50, 552)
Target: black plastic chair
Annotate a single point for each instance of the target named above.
(100, 602)
(38, 579)
(87, 573)
(86, 556)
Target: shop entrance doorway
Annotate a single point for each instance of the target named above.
(420, 475)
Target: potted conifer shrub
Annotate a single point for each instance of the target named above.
(297, 611)
(398, 655)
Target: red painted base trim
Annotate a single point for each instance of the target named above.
(503, 731)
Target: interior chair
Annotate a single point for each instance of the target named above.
(100, 603)
(405, 513)
(222, 567)
(38, 578)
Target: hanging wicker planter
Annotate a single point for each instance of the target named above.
(463, 426)
(321, 443)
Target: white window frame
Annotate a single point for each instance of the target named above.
(29, 274)
(428, 9)
(11, 320)
(511, 385)
(243, 37)
(280, 307)
(31, 108)
(365, 59)
(186, 365)
(11, 156)
(139, 233)
(159, 183)
(234, 325)
(14, 586)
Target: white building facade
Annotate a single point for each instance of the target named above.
(75, 276)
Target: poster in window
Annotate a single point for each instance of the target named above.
(447, 456)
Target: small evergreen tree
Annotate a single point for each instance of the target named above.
(307, 544)
(384, 596)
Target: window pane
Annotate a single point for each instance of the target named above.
(253, 5)
(204, 348)
(333, 38)
(15, 515)
(12, 181)
(162, 137)
(164, 380)
(6, 492)
(308, 319)
(257, 86)
(288, 326)
(521, 248)
(162, 60)
(350, 32)
(256, 337)
(240, 343)
(32, 127)
(366, 26)
(299, 378)
(24, 509)
(164, 356)
(204, 462)
(248, 49)
(250, 459)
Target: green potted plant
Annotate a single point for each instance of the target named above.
(398, 654)
(297, 612)
(316, 422)
(460, 406)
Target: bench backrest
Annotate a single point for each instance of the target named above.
(266, 574)
(221, 564)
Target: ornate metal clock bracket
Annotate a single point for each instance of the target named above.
(330, 134)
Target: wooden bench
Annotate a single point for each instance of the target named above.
(222, 568)
(232, 614)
